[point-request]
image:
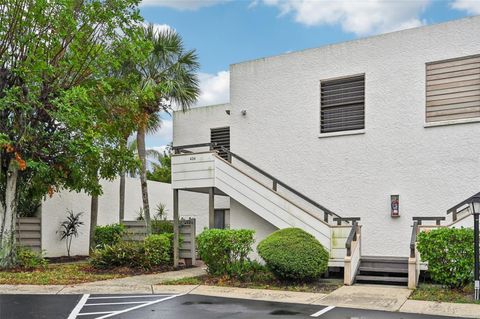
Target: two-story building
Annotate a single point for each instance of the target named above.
(385, 129)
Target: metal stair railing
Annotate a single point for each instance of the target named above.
(275, 181)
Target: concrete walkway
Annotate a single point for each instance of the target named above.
(358, 296)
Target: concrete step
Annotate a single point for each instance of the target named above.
(383, 270)
(381, 279)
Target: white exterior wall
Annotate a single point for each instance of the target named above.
(243, 218)
(431, 168)
(54, 209)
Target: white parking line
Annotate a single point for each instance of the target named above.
(321, 312)
(139, 306)
(78, 307)
(113, 303)
(82, 304)
(124, 297)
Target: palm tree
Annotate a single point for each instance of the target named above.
(168, 76)
(132, 147)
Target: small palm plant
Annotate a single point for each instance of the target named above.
(69, 228)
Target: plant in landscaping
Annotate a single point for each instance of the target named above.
(449, 253)
(69, 228)
(108, 235)
(157, 249)
(293, 254)
(123, 254)
(225, 251)
(162, 227)
(29, 259)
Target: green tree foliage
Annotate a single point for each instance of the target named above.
(167, 77)
(62, 107)
(161, 172)
(293, 254)
(225, 251)
(449, 253)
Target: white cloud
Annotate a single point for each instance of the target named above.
(181, 4)
(471, 6)
(215, 88)
(359, 17)
(159, 27)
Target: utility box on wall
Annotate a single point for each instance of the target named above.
(395, 205)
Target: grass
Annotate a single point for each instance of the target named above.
(431, 292)
(59, 274)
(265, 282)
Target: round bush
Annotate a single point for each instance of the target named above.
(293, 254)
(449, 253)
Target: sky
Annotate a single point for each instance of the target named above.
(225, 32)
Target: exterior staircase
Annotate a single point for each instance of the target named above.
(209, 171)
(383, 270)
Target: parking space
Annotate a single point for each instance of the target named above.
(169, 306)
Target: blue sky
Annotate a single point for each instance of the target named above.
(230, 31)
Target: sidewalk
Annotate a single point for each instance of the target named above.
(358, 296)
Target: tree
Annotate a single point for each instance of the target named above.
(162, 171)
(54, 58)
(168, 77)
(132, 148)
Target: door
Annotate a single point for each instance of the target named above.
(219, 219)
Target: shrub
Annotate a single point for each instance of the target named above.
(160, 226)
(225, 251)
(108, 235)
(29, 259)
(158, 249)
(449, 253)
(293, 254)
(122, 254)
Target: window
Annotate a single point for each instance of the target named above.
(221, 137)
(453, 89)
(342, 104)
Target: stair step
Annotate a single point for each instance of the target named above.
(384, 270)
(385, 259)
(382, 279)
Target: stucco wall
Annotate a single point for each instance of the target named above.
(431, 168)
(193, 126)
(54, 209)
(243, 218)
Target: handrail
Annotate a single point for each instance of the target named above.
(183, 148)
(413, 239)
(437, 219)
(352, 236)
(275, 181)
(339, 220)
(462, 203)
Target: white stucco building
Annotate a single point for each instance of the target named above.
(349, 126)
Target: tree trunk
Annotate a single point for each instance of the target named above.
(143, 175)
(121, 206)
(93, 220)
(8, 218)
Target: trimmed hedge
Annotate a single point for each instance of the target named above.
(293, 254)
(449, 253)
(160, 226)
(225, 251)
(108, 235)
(158, 249)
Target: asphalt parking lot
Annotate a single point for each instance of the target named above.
(167, 306)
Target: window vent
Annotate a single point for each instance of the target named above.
(342, 104)
(453, 89)
(221, 137)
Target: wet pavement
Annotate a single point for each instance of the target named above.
(168, 306)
